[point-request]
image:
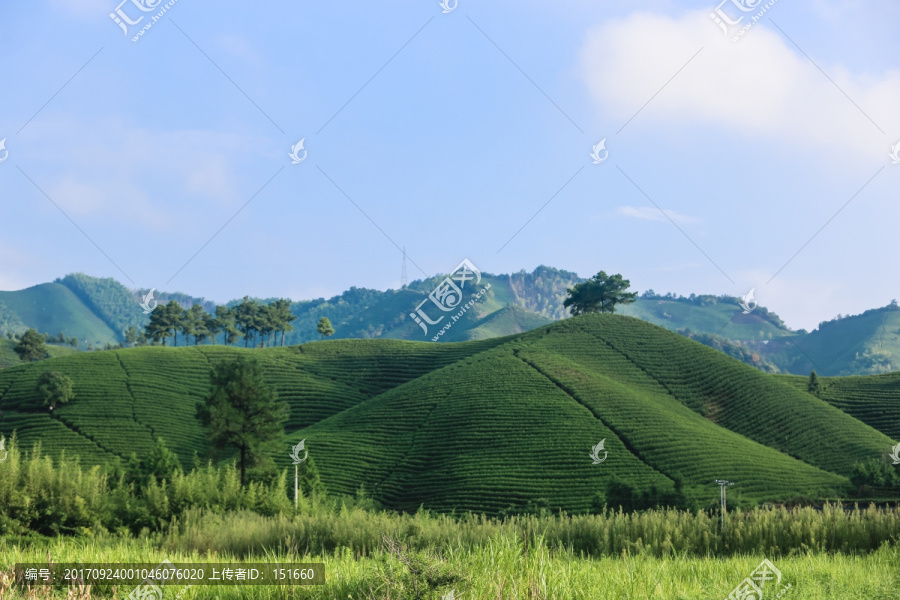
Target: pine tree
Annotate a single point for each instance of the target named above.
(247, 318)
(174, 318)
(162, 462)
(242, 412)
(192, 323)
(31, 347)
(601, 293)
(813, 387)
(310, 483)
(226, 318)
(324, 328)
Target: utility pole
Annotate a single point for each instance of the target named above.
(723, 483)
(403, 277)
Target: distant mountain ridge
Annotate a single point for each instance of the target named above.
(98, 312)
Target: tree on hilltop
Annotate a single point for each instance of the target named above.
(211, 327)
(226, 318)
(165, 322)
(131, 336)
(599, 294)
(813, 386)
(283, 316)
(159, 329)
(175, 317)
(324, 328)
(268, 322)
(194, 324)
(31, 346)
(247, 318)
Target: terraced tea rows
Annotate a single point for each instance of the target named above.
(491, 424)
(683, 445)
(741, 398)
(53, 436)
(126, 399)
(465, 437)
(873, 399)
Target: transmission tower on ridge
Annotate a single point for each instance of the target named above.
(403, 278)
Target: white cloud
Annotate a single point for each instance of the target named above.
(759, 87)
(136, 175)
(651, 213)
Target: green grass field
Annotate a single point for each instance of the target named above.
(502, 571)
(476, 559)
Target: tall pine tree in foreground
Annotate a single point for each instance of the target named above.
(243, 413)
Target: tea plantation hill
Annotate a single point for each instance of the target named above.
(873, 399)
(480, 425)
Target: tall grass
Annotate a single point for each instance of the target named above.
(61, 497)
(662, 533)
(206, 509)
(505, 568)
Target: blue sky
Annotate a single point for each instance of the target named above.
(446, 133)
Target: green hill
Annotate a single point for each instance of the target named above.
(51, 308)
(358, 313)
(720, 315)
(111, 301)
(98, 312)
(507, 320)
(873, 399)
(364, 313)
(482, 425)
(863, 344)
